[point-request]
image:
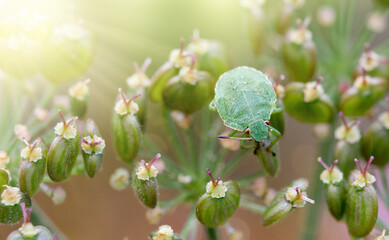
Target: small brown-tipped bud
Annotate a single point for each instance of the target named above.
(120, 179)
(21, 132)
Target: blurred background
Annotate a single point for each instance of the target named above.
(131, 30)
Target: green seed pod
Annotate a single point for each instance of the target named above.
(159, 80)
(126, 129)
(219, 202)
(189, 91)
(364, 94)
(29, 232)
(5, 177)
(293, 196)
(362, 203)
(267, 157)
(33, 167)
(211, 55)
(335, 194)
(79, 94)
(165, 232)
(376, 141)
(308, 103)
(68, 53)
(299, 54)
(10, 209)
(92, 148)
(63, 151)
(145, 183)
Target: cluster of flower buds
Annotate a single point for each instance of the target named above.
(165, 232)
(354, 201)
(186, 81)
(11, 199)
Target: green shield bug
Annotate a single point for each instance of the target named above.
(245, 99)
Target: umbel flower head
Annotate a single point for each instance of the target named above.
(363, 178)
(126, 106)
(31, 153)
(65, 128)
(331, 174)
(348, 132)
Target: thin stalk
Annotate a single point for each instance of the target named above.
(212, 233)
(176, 140)
(249, 204)
(190, 224)
(191, 146)
(39, 217)
(231, 165)
(326, 151)
(249, 178)
(384, 180)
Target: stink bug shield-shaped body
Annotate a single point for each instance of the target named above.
(245, 98)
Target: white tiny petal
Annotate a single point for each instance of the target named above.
(312, 91)
(299, 36)
(28, 230)
(184, 178)
(165, 232)
(79, 91)
(138, 80)
(179, 59)
(11, 196)
(369, 61)
(217, 191)
(119, 180)
(4, 159)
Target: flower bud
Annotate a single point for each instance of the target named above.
(211, 55)
(41, 114)
(33, 167)
(120, 179)
(21, 132)
(267, 157)
(259, 187)
(189, 91)
(181, 119)
(219, 202)
(154, 215)
(63, 151)
(79, 94)
(349, 133)
(126, 129)
(376, 22)
(362, 203)
(165, 232)
(293, 196)
(92, 148)
(307, 104)
(145, 182)
(10, 200)
(365, 93)
(326, 16)
(335, 194)
(299, 54)
(383, 236)
(4, 159)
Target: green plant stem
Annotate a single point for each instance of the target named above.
(312, 217)
(212, 233)
(176, 141)
(39, 217)
(384, 180)
(248, 203)
(231, 165)
(190, 143)
(190, 224)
